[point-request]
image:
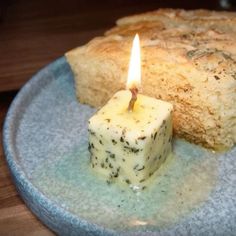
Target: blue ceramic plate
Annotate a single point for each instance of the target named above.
(45, 142)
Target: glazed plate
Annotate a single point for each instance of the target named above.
(45, 143)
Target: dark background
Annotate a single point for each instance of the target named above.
(33, 33)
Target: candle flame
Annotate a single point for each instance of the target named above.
(134, 73)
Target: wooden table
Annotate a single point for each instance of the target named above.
(33, 33)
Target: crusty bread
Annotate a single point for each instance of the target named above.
(188, 58)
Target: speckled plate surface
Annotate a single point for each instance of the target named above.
(45, 142)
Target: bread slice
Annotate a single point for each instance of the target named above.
(188, 59)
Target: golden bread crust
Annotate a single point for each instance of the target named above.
(188, 58)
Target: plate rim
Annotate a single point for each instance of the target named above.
(26, 188)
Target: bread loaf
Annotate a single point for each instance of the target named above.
(188, 59)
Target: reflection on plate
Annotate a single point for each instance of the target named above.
(45, 140)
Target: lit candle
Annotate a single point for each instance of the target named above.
(130, 137)
(134, 73)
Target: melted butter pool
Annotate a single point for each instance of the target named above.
(181, 187)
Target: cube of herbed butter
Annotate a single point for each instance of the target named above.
(128, 147)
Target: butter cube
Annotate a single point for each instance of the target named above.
(128, 147)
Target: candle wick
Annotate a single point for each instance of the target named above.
(134, 92)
